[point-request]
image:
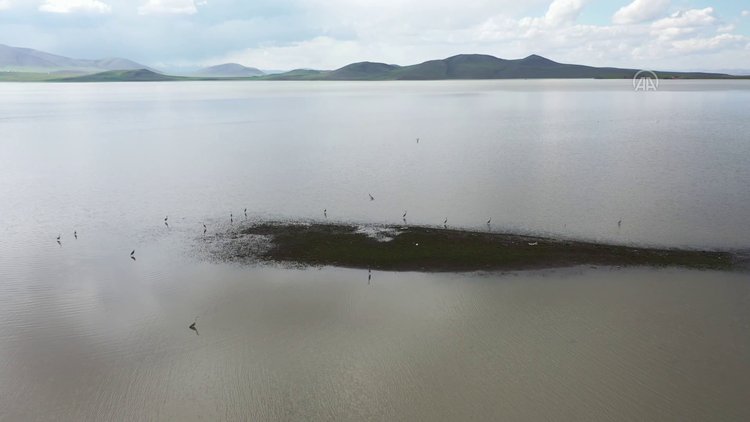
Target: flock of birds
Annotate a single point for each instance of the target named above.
(193, 326)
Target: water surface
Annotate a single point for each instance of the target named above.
(89, 334)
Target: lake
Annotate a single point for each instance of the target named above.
(90, 334)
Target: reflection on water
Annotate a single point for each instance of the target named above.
(137, 178)
(323, 344)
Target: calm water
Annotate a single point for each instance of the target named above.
(89, 334)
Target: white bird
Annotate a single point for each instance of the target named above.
(533, 244)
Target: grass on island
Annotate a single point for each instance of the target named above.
(434, 249)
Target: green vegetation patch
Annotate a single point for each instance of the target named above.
(434, 249)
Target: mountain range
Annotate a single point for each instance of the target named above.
(15, 59)
(229, 70)
(21, 64)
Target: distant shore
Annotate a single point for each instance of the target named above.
(429, 249)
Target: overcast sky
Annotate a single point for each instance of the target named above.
(325, 34)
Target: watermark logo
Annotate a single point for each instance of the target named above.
(645, 80)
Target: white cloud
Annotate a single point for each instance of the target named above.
(70, 6)
(687, 18)
(5, 4)
(702, 45)
(640, 11)
(746, 13)
(176, 7)
(563, 11)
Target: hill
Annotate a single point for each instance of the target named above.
(229, 70)
(138, 75)
(15, 59)
(480, 66)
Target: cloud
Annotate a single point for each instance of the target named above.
(746, 13)
(175, 7)
(5, 4)
(703, 45)
(640, 11)
(687, 18)
(71, 6)
(563, 11)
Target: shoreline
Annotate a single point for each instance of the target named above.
(430, 249)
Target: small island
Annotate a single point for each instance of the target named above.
(431, 249)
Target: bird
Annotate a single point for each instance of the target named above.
(619, 223)
(245, 212)
(75, 234)
(533, 244)
(371, 197)
(325, 213)
(445, 223)
(417, 140)
(489, 221)
(404, 216)
(58, 237)
(204, 228)
(165, 221)
(231, 218)
(132, 252)
(193, 327)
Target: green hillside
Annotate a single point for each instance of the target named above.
(139, 75)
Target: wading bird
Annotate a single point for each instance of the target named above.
(193, 327)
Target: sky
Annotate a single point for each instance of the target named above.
(327, 34)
